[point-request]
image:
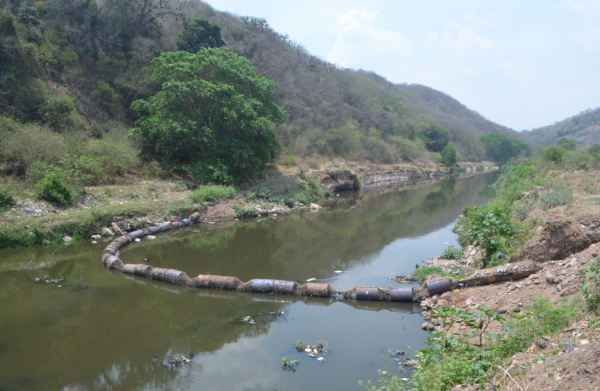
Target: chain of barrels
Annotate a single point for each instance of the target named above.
(402, 294)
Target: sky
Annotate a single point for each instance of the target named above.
(522, 64)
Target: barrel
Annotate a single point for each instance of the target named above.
(264, 286)
(367, 293)
(150, 230)
(284, 287)
(185, 222)
(401, 294)
(163, 228)
(129, 268)
(439, 286)
(317, 289)
(158, 273)
(174, 224)
(225, 282)
(142, 270)
(175, 276)
(113, 262)
(136, 234)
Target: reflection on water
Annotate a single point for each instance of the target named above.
(108, 331)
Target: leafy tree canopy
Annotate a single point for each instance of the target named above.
(449, 155)
(436, 137)
(212, 112)
(553, 154)
(567, 143)
(199, 33)
(501, 148)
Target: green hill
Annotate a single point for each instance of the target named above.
(583, 128)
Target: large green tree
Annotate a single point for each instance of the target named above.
(449, 155)
(212, 113)
(500, 148)
(199, 33)
(436, 137)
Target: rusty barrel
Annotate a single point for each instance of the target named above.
(284, 287)
(404, 294)
(185, 222)
(225, 282)
(158, 273)
(318, 289)
(151, 230)
(439, 286)
(260, 285)
(174, 224)
(195, 217)
(136, 234)
(367, 293)
(142, 270)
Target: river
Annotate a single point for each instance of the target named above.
(103, 330)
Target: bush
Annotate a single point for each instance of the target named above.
(591, 285)
(421, 274)
(553, 154)
(491, 229)
(60, 114)
(212, 192)
(453, 253)
(51, 189)
(107, 95)
(6, 200)
(449, 155)
(561, 195)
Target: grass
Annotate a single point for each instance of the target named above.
(213, 192)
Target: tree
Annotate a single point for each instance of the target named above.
(553, 154)
(500, 148)
(567, 143)
(449, 155)
(436, 137)
(212, 113)
(199, 33)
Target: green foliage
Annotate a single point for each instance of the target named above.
(449, 155)
(213, 111)
(60, 114)
(213, 192)
(553, 154)
(300, 346)
(491, 229)
(500, 148)
(244, 213)
(594, 149)
(199, 33)
(51, 189)
(453, 253)
(591, 285)
(107, 95)
(561, 195)
(590, 189)
(436, 137)
(28, 16)
(567, 143)
(77, 171)
(6, 200)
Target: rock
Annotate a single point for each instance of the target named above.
(563, 272)
(504, 309)
(315, 207)
(550, 278)
(569, 291)
(116, 228)
(427, 326)
(436, 322)
(537, 282)
(519, 286)
(107, 232)
(558, 288)
(442, 303)
(96, 237)
(67, 238)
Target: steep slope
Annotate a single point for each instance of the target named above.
(584, 128)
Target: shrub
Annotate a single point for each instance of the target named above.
(51, 189)
(553, 154)
(60, 114)
(212, 192)
(422, 273)
(453, 253)
(591, 285)
(243, 213)
(449, 155)
(6, 200)
(300, 346)
(107, 95)
(561, 195)
(491, 229)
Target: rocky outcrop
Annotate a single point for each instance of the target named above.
(390, 174)
(339, 180)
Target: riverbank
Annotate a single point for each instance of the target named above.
(133, 202)
(541, 332)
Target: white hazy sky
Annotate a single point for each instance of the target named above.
(522, 64)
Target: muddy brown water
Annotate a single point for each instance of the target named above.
(102, 330)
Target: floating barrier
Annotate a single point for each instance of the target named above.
(406, 294)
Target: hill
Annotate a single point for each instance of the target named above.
(70, 70)
(583, 128)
